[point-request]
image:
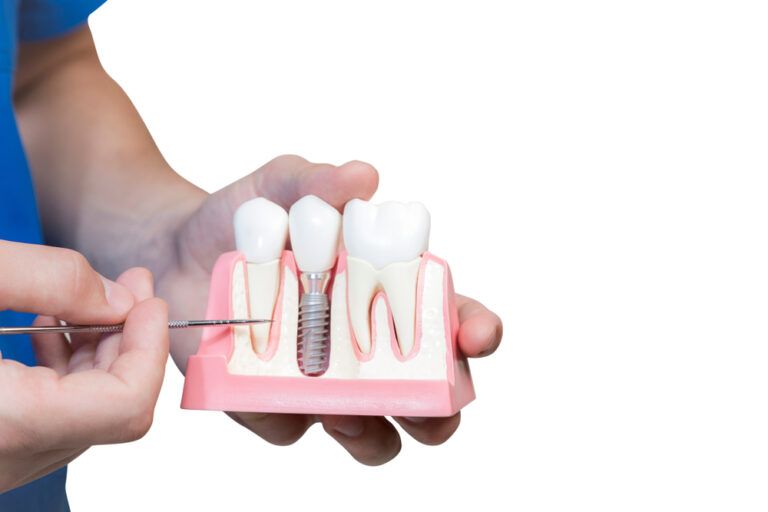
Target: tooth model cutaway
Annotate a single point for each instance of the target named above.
(384, 244)
(393, 319)
(261, 229)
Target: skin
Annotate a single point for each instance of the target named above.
(105, 190)
(94, 390)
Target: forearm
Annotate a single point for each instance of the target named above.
(103, 187)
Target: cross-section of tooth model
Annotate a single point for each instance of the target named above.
(383, 342)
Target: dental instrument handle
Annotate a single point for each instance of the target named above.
(109, 329)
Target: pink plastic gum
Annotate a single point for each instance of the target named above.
(210, 386)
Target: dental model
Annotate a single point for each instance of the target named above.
(368, 330)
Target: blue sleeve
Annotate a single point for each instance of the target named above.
(43, 19)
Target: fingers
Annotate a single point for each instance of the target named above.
(93, 406)
(480, 331)
(144, 349)
(279, 429)
(283, 180)
(286, 179)
(96, 407)
(93, 350)
(431, 431)
(51, 350)
(59, 283)
(371, 440)
(139, 281)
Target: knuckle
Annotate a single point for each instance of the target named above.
(77, 262)
(285, 162)
(290, 158)
(78, 272)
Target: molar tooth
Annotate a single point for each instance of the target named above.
(261, 229)
(391, 237)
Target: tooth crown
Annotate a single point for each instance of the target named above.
(430, 379)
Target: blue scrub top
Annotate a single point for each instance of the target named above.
(27, 20)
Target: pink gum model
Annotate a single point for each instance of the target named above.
(210, 385)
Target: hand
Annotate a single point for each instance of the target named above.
(208, 232)
(90, 391)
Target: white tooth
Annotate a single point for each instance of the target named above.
(315, 227)
(387, 233)
(261, 229)
(391, 237)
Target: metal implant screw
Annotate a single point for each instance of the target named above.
(314, 324)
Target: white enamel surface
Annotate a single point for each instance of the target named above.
(261, 230)
(387, 233)
(398, 281)
(315, 228)
(428, 364)
(263, 285)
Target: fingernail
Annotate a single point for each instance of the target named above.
(350, 426)
(117, 296)
(413, 419)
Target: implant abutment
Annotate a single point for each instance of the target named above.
(314, 283)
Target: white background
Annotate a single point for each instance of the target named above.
(596, 173)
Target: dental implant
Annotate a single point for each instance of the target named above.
(314, 324)
(315, 228)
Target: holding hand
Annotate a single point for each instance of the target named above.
(207, 232)
(94, 390)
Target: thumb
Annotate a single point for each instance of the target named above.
(60, 283)
(283, 180)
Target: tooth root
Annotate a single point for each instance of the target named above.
(362, 285)
(399, 283)
(263, 284)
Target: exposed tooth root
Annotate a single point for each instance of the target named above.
(400, 281)
(362, 286)
(263, 285)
